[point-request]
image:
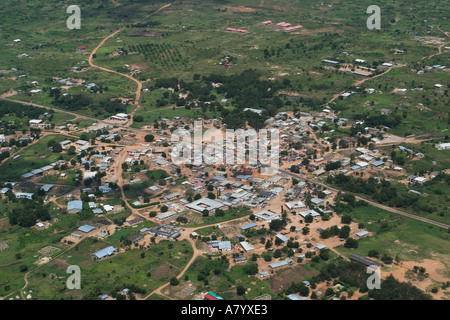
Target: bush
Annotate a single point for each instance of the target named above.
(240, 290)
(23, 268)
(174, 281)
(351, 243)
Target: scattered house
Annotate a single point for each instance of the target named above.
(420, 180)
(263, 274)
(258, 111)
(294, 296)
(267, 215)
(97, 211)
(74, 206)
(172, 196)
(306, 213)
(135, 238)
(86, 228)
(330, 61)
(165, 215)
(444, 146)
(248, 226)
(317, 201)
(212, 296)
(282, 238)
(364, 260)
(320, 246)
(40, 225)
(108, 208)
(241, 259)
(24, 195)
(279, 264)
(166, 231)
(205, 204)
(224, 245)
(362, 233)
(46, 187)
(246, 246)
(378, 163)
(106, 252)
(289, 29)
(134, 221)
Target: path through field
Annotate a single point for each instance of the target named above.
(139, 83)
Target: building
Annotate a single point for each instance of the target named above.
(24, 195)
(205, 204)
(295, 205)
(306, 213)
(172, 196)
(212, 296)
(224, 245)
(420, 180)
(246, 246)
(166, 231)
(240, 259)
(46, 187)
(248, 226)
(279, 264)
(316, 201)
(267, 215)
(444, 146)
(106, 252)
(86, 228)
(362, 233)
(320, 246)
(134, 221)
(289, 29)
(74, 206)
(165, 215)
(282, 238)
(293, 296)
(364, 260)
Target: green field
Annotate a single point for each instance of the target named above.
(112, 274)
(35, 156)
(398, 236)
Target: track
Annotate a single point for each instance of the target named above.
(373, 203)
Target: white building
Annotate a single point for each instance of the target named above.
(444, 146)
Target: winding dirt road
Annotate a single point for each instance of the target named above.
(139, 83)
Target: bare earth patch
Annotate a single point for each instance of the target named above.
(241, 9)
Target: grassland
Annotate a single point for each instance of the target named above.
(189, 37)
(112, 274)
(35, 156)
(398, 236)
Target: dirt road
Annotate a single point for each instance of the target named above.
(139, 83)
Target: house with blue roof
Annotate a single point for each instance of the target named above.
(106, 252)
(86, 228)
(75, 206)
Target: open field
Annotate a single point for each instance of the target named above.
(400, 237)
(32, 157)
(114, 274)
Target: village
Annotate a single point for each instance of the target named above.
(280, 217)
